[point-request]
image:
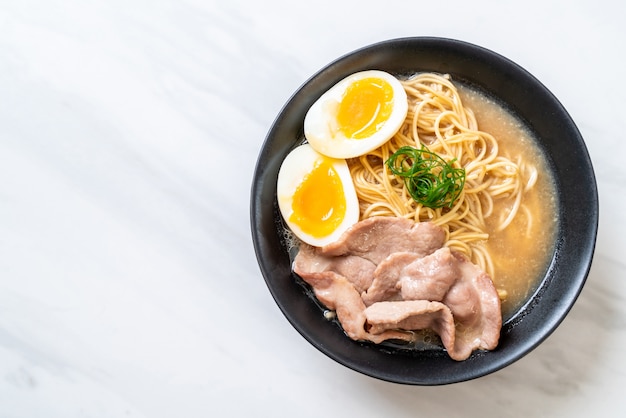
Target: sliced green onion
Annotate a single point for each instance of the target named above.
(429, 179)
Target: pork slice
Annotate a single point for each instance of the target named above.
(358, 270)
(338, 294)
(429, 277)
(413, 315)
(377, 237)
(409, 276)
(475, 305)
(386, 282)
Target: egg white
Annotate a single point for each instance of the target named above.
(320, 127)
(296, 166)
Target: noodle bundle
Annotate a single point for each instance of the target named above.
(438, 120)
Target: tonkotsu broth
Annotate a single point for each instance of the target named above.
(522, 251)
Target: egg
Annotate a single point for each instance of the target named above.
(316, 196)
(356, 115)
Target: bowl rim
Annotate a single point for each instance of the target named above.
(577, 224)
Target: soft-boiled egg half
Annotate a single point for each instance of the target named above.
(356, 115)
(316, 196)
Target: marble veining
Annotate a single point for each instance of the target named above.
(129, 131)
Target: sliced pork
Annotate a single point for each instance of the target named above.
(413, 315)
(386, 277)
(475, 305)
(357, 270)
(338, 294)
(413, 276)
(361, 248)
(429, 277)
(386, 282)
(470, 298)
(375, 238)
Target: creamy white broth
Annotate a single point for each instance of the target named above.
(522, 252)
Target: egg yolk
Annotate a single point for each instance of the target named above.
(319, 204)
(365, 107)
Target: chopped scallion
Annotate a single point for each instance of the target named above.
(429, 179)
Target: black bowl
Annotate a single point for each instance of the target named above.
(577, 204)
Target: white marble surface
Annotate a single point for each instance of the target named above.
(129, 131)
